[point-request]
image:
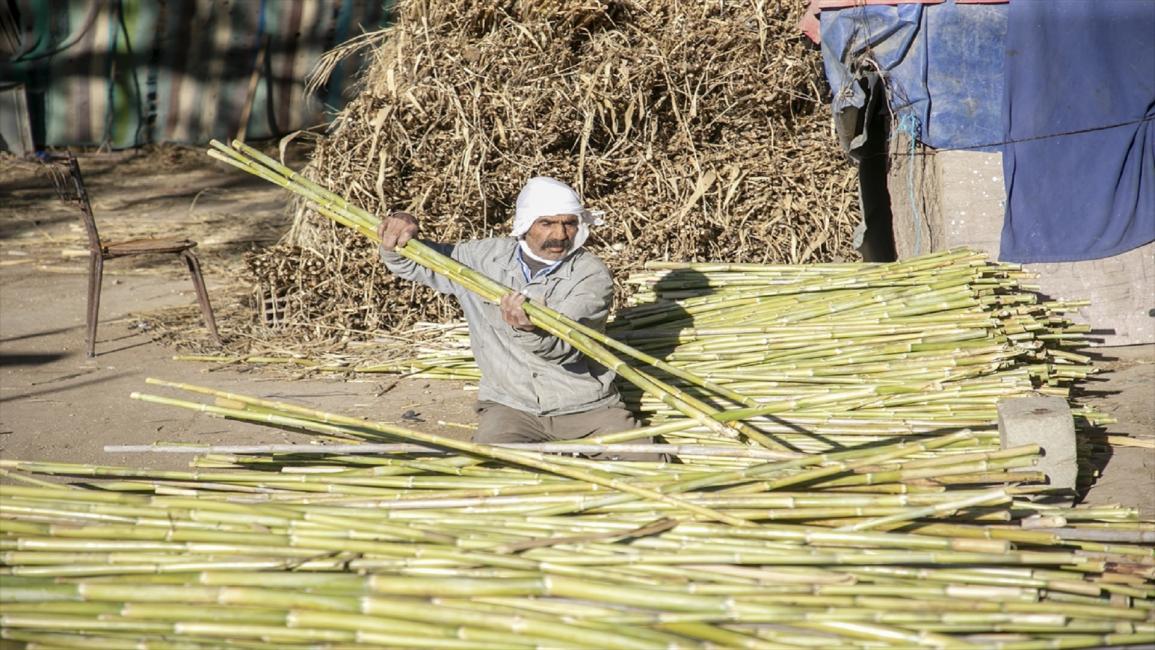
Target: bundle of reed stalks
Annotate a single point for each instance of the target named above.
(467, 546)
(837, 357)
(592, 343)
(701, 128)
(854, 352)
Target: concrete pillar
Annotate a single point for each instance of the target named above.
(1047, 422)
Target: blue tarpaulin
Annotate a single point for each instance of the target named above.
(1064, 88)
(943, 66)
(1076, 66)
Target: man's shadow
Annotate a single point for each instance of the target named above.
(658, 326)
(1093, 447)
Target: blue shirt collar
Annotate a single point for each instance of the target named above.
(529, 277)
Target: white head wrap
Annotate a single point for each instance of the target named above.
(545, 197)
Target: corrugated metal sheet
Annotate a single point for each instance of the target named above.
(124, 73)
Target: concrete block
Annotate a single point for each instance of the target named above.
(1047, 422)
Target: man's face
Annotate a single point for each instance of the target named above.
(552, 237)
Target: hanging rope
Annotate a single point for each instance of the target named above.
(910, 126)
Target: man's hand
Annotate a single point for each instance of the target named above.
(513, 312)
(396, 229)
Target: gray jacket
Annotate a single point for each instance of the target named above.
(533, 371)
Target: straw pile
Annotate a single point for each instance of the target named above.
(698, 126)
(899, 545)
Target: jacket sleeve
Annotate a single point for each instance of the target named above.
(410, 270)
(587, 301)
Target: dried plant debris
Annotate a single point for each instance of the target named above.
(700, 128)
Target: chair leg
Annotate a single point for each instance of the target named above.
(194, 268)
(95, 276)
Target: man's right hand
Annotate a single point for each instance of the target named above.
(396, 229)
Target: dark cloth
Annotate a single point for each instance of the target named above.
(1071, 66)
(497, 423)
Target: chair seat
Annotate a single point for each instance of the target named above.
(144, 246)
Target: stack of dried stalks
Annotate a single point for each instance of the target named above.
(698, 127)
(902, 545)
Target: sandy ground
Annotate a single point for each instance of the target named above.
(55, 404)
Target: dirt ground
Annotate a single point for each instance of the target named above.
(55, 404)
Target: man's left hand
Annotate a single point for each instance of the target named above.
(513, 311)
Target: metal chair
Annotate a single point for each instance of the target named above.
(70, 185)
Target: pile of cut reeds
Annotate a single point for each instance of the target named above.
(701, 128)
(594, 344)
(804, 359)
(855, 353)
(465, 546)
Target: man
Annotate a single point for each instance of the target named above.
(534, 386)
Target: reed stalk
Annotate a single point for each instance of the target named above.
(587, 340)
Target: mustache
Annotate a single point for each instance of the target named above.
(557, 243)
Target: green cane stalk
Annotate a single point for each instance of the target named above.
(587, 340)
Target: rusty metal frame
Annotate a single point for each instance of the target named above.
(70, 186)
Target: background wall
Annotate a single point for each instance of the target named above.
(124, 73)
(960, 201)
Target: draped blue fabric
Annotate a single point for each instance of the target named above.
(1079, 65)
(943, 66)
